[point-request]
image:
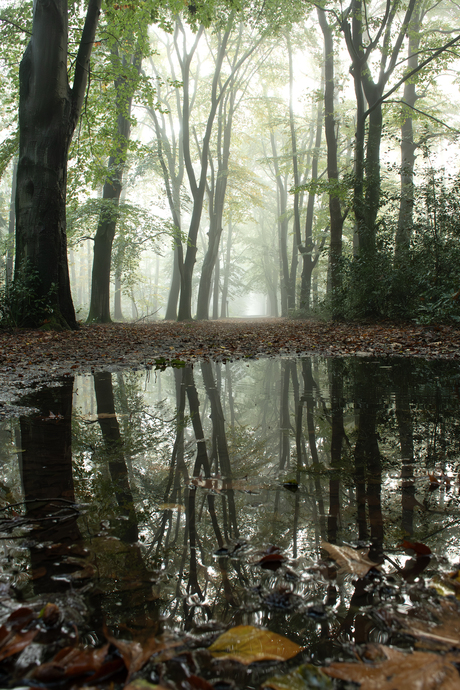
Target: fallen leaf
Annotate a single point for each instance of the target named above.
(418, 548)
(400, 671)
(140, 684)
(13, 642)
(445, 633)
(301, 678)
(69, 662)
(272, 561)
(136, 654)
(354, 561)
(21, 618)
(247, 644)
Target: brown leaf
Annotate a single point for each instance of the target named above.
(13, 642)
(400, 671)
(445, 633)
(71, 661)
(21, 618)
(301, 678)
(354, 561)
(418, 548)
(246, 644)
(136, 654)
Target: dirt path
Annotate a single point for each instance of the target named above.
(27, 357)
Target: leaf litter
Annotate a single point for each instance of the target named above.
(28, 356)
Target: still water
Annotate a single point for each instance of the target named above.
(185, 499)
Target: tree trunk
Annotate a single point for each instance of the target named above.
(48, 113)
(406, 205)
(308, 260)
(174, 290)
(197, 188)
(117, 310)
(224, 302)
(99, 310)
(216, 290)
(216, 196)
(281, 193)
(11, 221)
(335, 212)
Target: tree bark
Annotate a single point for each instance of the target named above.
(216, 194)
(366, 199)
(99, 310)
(11, 221)
(335, 213)
(406, 205)
(48, 113)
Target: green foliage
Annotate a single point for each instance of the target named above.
(424, 284)
(21, 304)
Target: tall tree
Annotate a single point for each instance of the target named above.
(49, 109)
(363, 39)
(336, 218)
(127, 68)
(241, 74)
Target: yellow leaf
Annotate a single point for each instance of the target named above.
(247, 644)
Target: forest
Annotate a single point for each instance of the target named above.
(229, 345)
(217, 159)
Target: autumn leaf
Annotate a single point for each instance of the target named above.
(446, 633)
(354, 561)
(417, 548)
(136, 654)
(140, 684)
(400, 671)
(69, 662)
(247, 644)
(12, 642)
(301, 678)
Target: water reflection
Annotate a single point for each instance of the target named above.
(181, 497)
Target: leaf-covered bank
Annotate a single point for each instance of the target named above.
(27, 356)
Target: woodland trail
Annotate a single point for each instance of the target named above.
(31, 356)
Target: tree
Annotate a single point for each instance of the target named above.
(336, 219)
(241, 73)
(49, 109)
(362, 41)
(127, 68)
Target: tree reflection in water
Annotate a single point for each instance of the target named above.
(187, 492)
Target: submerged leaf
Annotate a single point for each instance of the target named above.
(305, 677)
(71, 661)
(12, 642)
(248, 644)
(444, 634)
(136, 654)
(141, 684)
(354, 561)
(400, 671)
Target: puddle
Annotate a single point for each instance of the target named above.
(197, 499)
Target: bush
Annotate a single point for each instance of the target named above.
(426, 287)
(20, 303)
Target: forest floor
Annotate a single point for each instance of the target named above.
(32, 356)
